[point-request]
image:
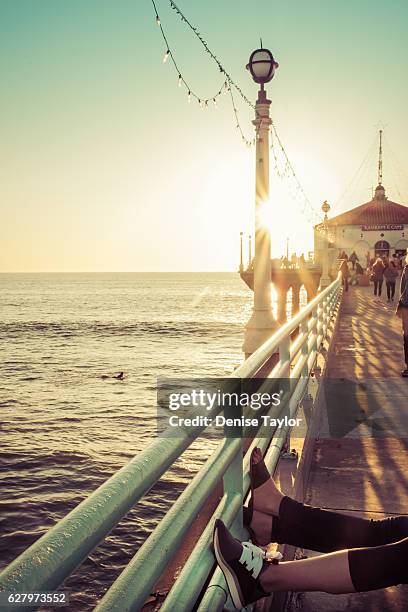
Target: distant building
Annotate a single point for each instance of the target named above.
(378, 227)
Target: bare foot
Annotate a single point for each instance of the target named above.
(261, 527)
(267, 497)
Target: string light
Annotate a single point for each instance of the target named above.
(182, 80)
(210, 53)
(288, 172)
(247, 141)
(294, 186)
(228, 82)
(226, 88)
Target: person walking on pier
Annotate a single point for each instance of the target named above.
(402, 313)
(345, 274)
(353, 258)
(378, 276)
(363, 554)
(391, 275)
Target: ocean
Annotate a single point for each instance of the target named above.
(64, 428)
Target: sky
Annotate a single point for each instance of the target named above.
(105, 166)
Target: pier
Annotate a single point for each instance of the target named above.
(218, 490)
(351, 458)
(337, 438)
(364, 471)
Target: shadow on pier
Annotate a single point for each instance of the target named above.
(363, 469)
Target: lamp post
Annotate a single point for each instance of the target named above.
(261, 324)
(241, 259)
(325, 278)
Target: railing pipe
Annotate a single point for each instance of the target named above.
(54, 556)
(194, 574)
(215, 597)
(132, 587)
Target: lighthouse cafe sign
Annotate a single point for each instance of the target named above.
(381, 228)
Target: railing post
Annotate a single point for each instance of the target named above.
(315, 318)
(234, 475)
(284, 357)
(321, 314)
(304, 329)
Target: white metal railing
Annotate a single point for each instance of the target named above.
(51, 559)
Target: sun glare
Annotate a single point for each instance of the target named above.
(287, 224)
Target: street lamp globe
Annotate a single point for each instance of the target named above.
(262, 66)
(325, 208)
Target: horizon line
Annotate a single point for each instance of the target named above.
(119, 271)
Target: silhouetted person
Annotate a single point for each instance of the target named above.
(353, 258)
(368, 258)
(402, 313)
(391, 275)
(345, 273)
(119, 376)
(378, 276)
(359, 269)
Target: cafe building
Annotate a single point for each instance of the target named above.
(377, 228)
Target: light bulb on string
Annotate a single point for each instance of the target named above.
(215, 102)
(180, 80)
(189, 97)
(158, 20)
(166, 56)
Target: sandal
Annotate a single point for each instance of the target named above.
(259, 474)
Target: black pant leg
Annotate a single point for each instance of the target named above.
(379, 567)
(326, 531)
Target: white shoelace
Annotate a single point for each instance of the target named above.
(253, 557)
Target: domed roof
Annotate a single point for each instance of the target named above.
(378, 211)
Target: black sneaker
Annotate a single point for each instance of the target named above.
(404, 373)
(241, 563)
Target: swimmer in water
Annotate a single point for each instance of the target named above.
(119, 376)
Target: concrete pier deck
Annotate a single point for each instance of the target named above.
(360, 460)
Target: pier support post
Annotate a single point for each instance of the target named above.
(282, 293)
(295, 299)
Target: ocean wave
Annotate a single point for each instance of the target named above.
(17, 329)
